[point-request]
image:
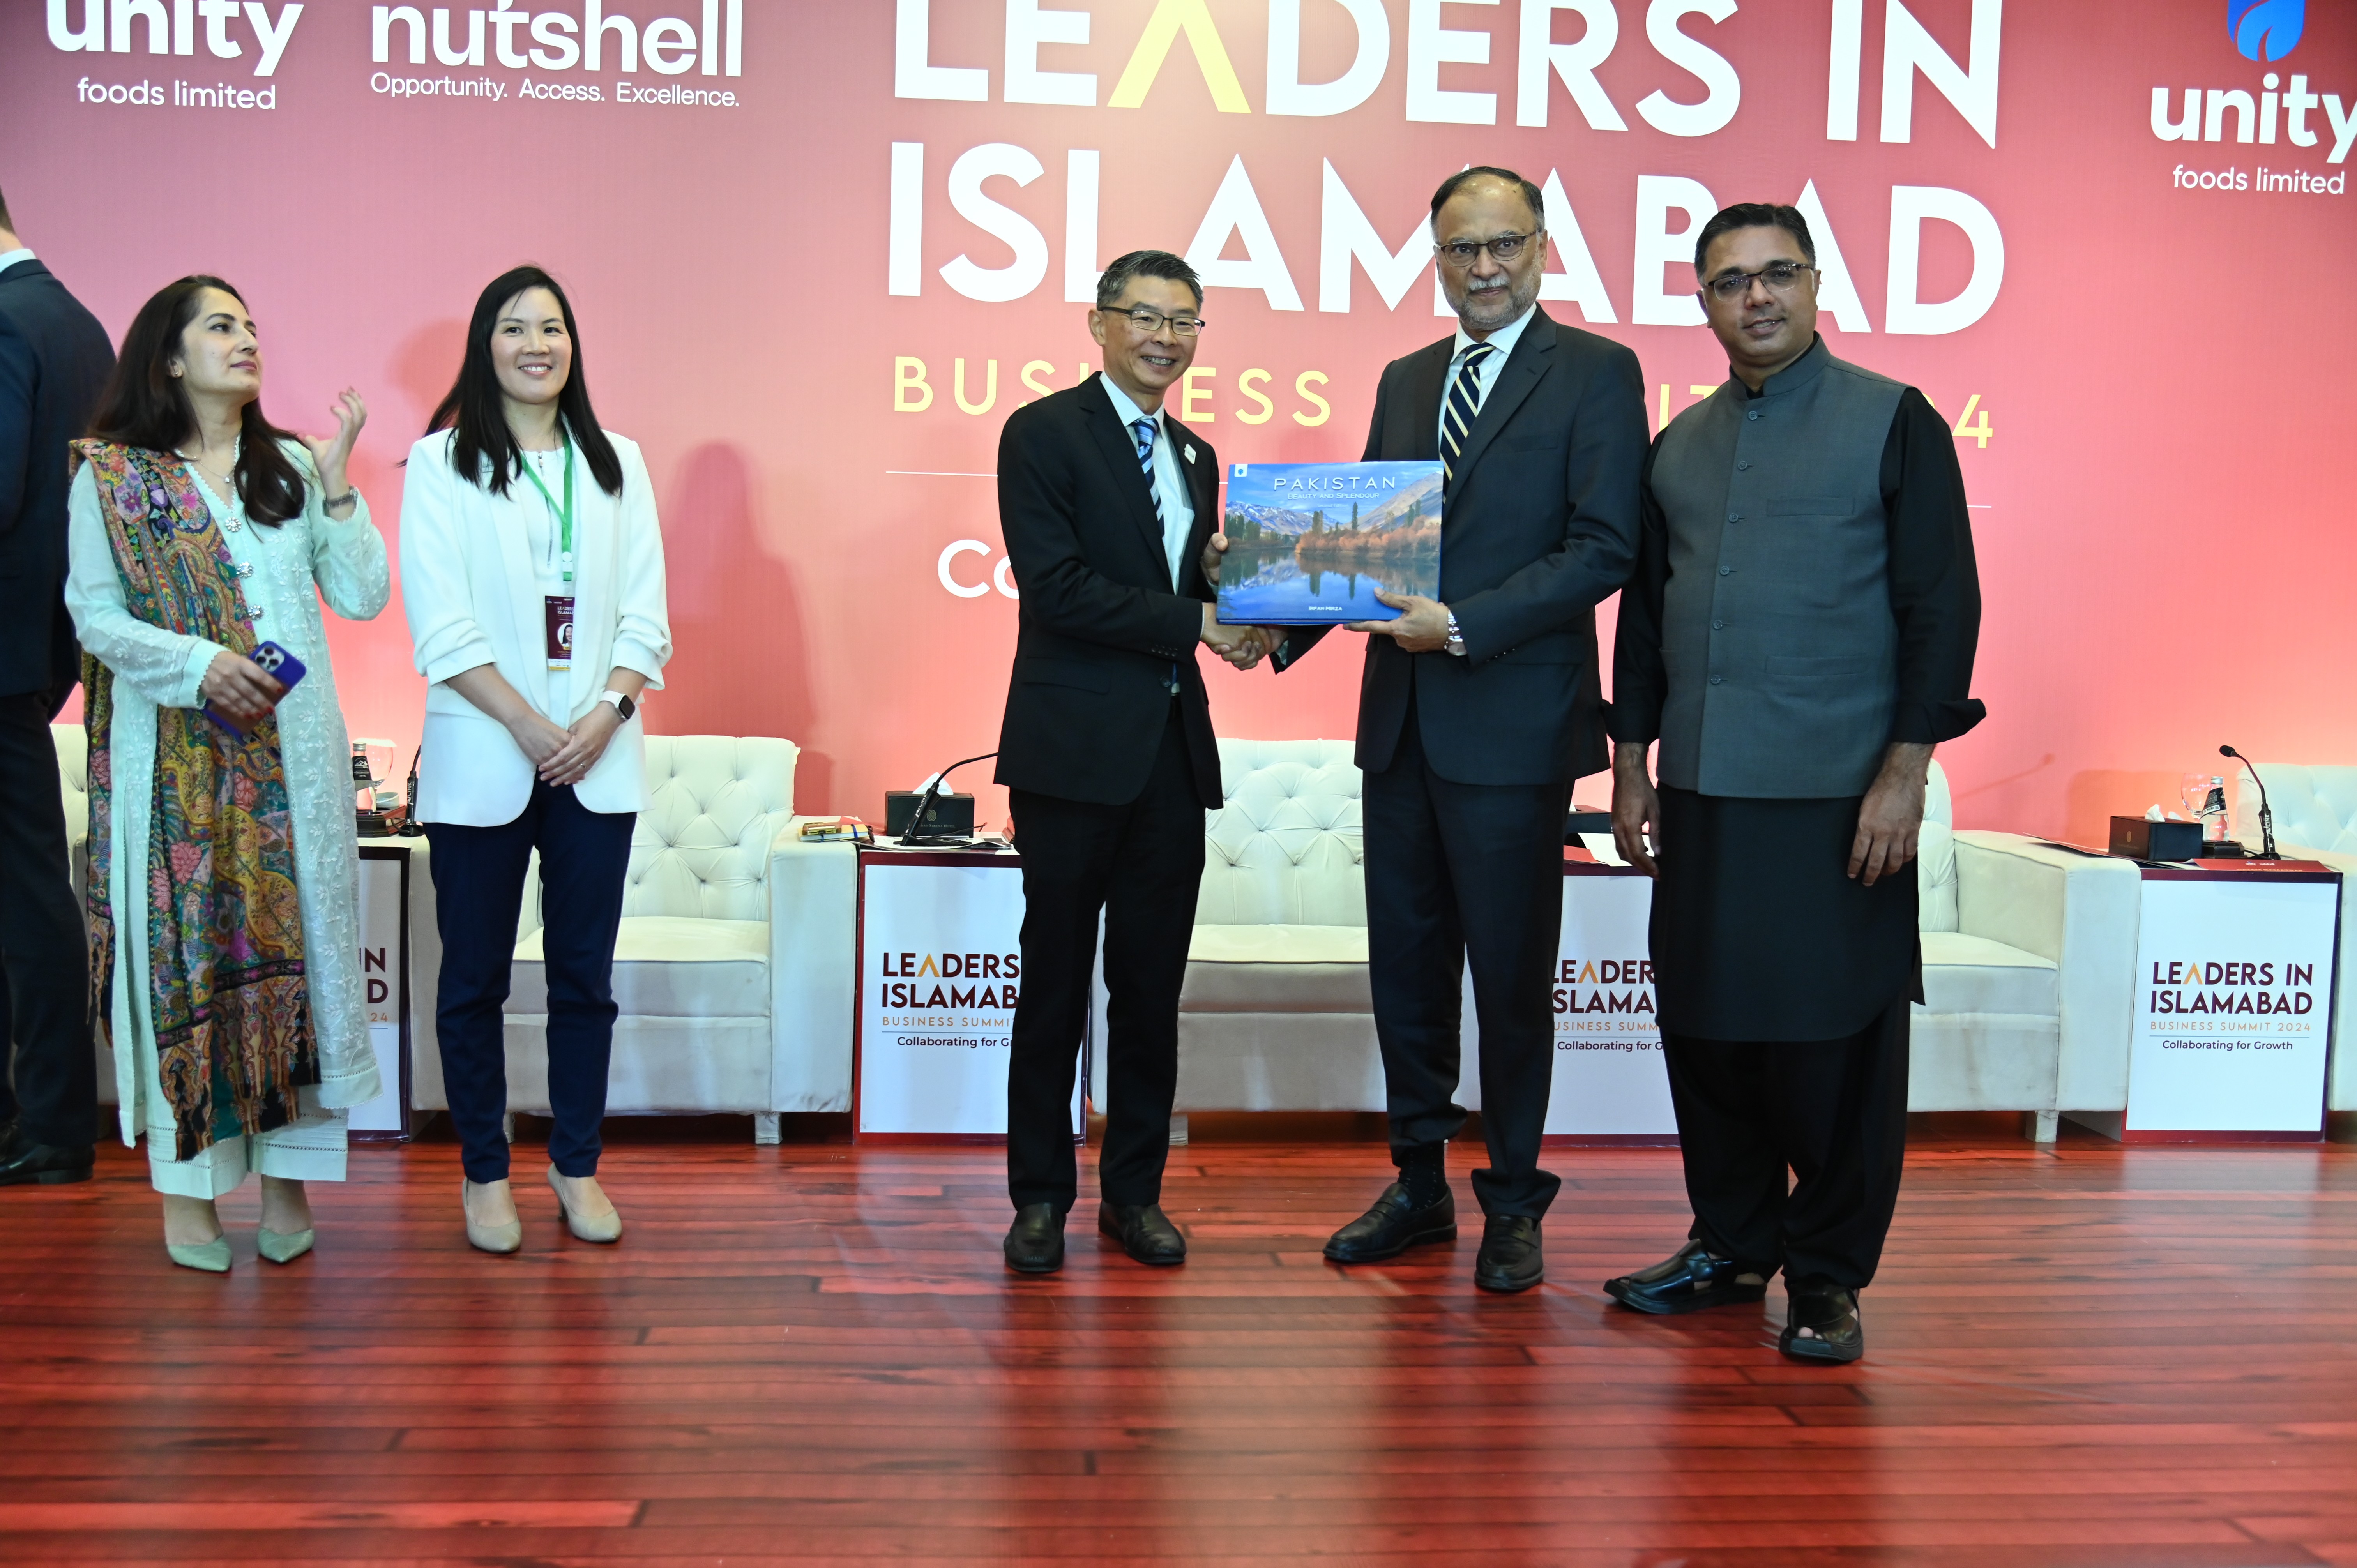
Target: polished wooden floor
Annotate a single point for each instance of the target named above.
(2082, 1355)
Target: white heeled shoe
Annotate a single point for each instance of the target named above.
(606, 1227)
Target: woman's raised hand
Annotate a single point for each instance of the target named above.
(334, 452)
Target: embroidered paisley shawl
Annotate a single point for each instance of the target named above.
(226, 994)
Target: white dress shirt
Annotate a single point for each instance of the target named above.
(1485, 374)
(10, 258)
(1169, 477)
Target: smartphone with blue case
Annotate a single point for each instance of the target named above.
(277, 663)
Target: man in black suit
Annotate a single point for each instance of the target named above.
(54, 358)
(1479, 709)
(1106, 503)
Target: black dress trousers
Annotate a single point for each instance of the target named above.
(1142, 865)
(1459, 874)
(43, 949)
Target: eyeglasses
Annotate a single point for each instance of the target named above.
(1149, 321)
(1781, 277)
(1505, 247)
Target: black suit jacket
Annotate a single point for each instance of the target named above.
(1102, 623)
(1540, 523)
(54, 360)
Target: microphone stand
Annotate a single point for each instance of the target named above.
(917, 836)
(2267, 812)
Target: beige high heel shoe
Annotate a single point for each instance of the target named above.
(605, 1228)
(505, 1237)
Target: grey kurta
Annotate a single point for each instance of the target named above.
(1852, 627)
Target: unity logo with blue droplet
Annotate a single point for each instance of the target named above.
(2266, 29)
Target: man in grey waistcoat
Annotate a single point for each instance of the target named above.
(1799, 635)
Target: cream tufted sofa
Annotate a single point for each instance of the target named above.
(2316, 819)
(2029, 955)
(726, 961)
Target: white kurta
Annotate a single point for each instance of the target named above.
(286, 571)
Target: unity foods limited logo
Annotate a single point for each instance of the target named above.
(2266, 29)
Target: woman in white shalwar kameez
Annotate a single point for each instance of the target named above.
(281, 570)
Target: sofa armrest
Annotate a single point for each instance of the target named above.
(2082, 912)
(2340, 1080)
(814, 970)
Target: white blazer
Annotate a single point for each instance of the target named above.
(473, 597)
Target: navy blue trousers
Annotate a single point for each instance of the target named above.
(479, 875)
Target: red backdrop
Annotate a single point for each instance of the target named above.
(2155, 386)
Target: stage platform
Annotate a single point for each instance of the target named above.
(811, 1354)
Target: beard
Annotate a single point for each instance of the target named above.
(1486, 310)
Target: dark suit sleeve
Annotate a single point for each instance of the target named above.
(1603, 460)
(1061, 591)
(1935, 587)
(17, 380)
(1639, 681)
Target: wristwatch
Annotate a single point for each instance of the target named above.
(1456, 637)
(623, 705)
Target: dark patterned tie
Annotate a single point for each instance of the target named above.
(1145, 431)
(1464, 402)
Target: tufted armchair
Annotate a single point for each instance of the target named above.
(2027, 958)
(1276, 1012)
(711, 1004)
(2316, 819)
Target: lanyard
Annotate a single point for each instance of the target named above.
(532, 471)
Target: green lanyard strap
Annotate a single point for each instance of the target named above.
(564, 514)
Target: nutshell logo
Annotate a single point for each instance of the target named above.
(2266, 29)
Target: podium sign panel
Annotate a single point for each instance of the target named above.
(941, 969)
(2234, 997)
(384, 978)
(1610, 1082)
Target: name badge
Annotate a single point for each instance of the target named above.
(560, 630)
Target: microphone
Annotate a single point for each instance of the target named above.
(916, 833)
(2266, 813)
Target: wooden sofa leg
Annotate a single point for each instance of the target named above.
(2041, 1126)
(765, 1127)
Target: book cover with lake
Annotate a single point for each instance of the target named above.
(1311, 543)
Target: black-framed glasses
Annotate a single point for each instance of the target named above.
(1149, 321)
(1460, 253)
(1782, 277)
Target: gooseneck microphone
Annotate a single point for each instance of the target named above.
(916, 834)
(2266, 813)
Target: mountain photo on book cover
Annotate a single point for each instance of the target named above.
(1312, 544)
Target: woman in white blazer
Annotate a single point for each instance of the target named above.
(531, 570)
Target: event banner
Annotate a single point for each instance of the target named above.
(2234, 999)
(819, 251)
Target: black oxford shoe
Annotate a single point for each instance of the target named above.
(1509, 1258)
(1689, 1280)
(1822, 1325)
(1393, 1226)
(50, 1164)
(1035, 1242)
(1143, 1231)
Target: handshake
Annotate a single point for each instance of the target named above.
(1241, 646)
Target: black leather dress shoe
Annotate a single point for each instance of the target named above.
(1689, 1280)
(48, 1164)
(1392, 1227)
(1143, 1231)
(1509, 1258)
(1822, 1325)
(1035, 1242)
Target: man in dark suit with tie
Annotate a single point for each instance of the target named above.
(1479, 709)
(54, 358)
(1106, 502)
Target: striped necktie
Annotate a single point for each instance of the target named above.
(1145, 430)
(1464, 405)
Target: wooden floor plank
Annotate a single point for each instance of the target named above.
(2081, 1355)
